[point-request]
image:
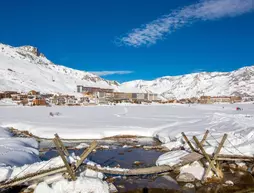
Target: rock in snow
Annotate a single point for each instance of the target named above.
(195, 169)
(185, 177)
(229, 183)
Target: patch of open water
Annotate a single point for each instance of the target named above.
(138, 157)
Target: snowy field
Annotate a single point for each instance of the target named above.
(165, 122)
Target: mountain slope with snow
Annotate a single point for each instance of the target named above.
(239, 82)
(25, 68)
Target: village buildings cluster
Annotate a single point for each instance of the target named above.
(208, 100)
(96, 95)
(102, 95)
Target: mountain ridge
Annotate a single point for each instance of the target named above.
(25, 68)
(238, 82)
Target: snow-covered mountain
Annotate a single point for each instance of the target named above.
(239, 82)
(25, 68)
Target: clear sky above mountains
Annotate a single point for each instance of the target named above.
(147, 37)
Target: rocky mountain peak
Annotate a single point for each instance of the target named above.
(32, 50)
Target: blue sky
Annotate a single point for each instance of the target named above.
(149, 38)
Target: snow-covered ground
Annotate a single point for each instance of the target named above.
(7, 102)
(165, 122)
(88, 181)
(17, 151)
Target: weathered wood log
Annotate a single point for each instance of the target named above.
(215, 157)
(223, 157)
(60, 143)
(86, 153)
(207, 157)
(220, 146)
(247, 190)
(32, 177)
(235, 159)
(131, 172)
(68, 167)
(204, 138)
(188, 142)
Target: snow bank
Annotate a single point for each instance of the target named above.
(171, 158)
(82, 145)
(88, 181)
(15, 171)
(17, 151)
(81, 185)
(195, 169)
(7, 102)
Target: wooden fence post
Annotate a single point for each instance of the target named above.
(207, 157)
(215, 157)
(204, 138)
(188, 142)
(69, 169)
(61, 145)
(86, 153)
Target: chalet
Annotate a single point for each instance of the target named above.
(184, 101)
(1, 95)
(33, 92)
(39, 102)
(71, 100)
(170, 101)
(84, 100)
(18, 97)
(46, 95)
(193, 100)
(58, 100)
(205, 100)
(7, 94)
(220, 99)
(236, 99)
(248, 98)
